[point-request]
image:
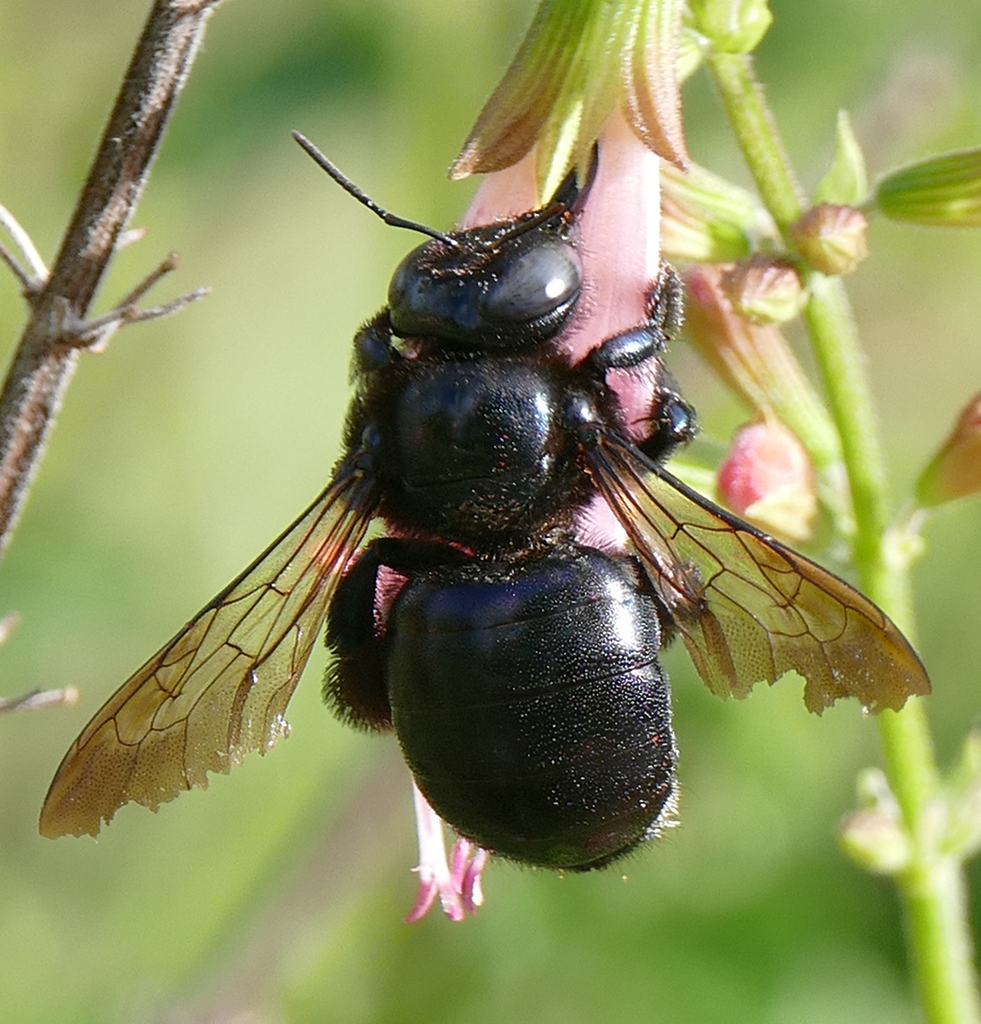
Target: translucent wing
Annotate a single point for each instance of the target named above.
(218, 689)
(749, 608)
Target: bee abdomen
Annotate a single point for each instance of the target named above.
(531, 706)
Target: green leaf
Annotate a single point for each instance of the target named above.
(845, 182)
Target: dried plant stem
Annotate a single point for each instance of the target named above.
(931, 886)
(36, 699)
(47, 353)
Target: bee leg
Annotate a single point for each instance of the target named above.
(674, 425)
(645, 585)
(666, 306)
(669, 421)
(646, 341)
(356, 683)
(633, 348)
(373, 348)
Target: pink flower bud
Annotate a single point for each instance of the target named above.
(874, 837)
(875, 841)
(764, 289)
(756, 361)
(768, 478)
(955, 471)
(745, 356)
(832, 239)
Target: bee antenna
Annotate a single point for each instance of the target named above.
(345, 182)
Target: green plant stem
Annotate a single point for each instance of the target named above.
(834, 339)
(931, 886)
(756, 131)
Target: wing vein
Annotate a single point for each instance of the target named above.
(220, 687)
(749, 608)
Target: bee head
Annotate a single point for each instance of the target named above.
(496, 286)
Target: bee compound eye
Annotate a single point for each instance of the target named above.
(533, 284)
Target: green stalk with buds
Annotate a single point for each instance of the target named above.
(753, 264)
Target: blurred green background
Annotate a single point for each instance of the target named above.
(278, 895)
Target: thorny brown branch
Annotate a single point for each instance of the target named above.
(48, 350)
(93, 334)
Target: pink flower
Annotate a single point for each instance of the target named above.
(457, 883)
(618, 243)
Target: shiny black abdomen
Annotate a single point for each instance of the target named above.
(531, 707)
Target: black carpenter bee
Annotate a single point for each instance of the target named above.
(517, 666)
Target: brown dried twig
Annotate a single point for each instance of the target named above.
(34, 699)
(32, 282)
(38, 699)
(48, 350)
